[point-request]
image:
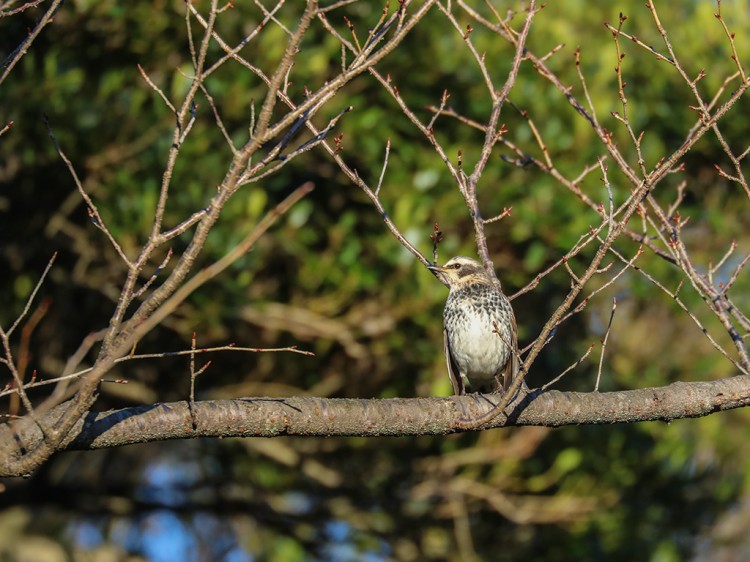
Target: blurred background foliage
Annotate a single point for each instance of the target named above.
(331, 279)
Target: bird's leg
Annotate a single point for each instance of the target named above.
(498, 384)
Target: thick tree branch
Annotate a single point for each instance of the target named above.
(329, 417)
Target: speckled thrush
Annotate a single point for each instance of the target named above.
(479, 333)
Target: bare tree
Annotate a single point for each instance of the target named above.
(284, 126)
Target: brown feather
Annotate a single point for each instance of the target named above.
(511, 367)
(454, 374)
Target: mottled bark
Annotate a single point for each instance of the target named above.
(331, 417)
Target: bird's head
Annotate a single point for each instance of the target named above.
(460, 271)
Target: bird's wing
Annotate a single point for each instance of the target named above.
(512, 366)
(457, 382)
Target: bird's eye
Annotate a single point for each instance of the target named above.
(456, 266)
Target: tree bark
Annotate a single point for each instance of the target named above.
(331, 417)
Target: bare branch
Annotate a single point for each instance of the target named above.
(92, 209)
(23, 48)
(27, 307)
(269, 417)
(604, 345)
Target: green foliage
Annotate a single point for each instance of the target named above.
(330, 278)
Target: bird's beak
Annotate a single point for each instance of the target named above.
(439, 272)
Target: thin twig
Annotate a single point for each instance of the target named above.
(92, 209)
(161, 355)
(604, 344)
(385, 166)
(27, 306)
(570, 368)
(23, 48)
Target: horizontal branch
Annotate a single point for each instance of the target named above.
(328, 417)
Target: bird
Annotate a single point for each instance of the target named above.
(480, 337)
